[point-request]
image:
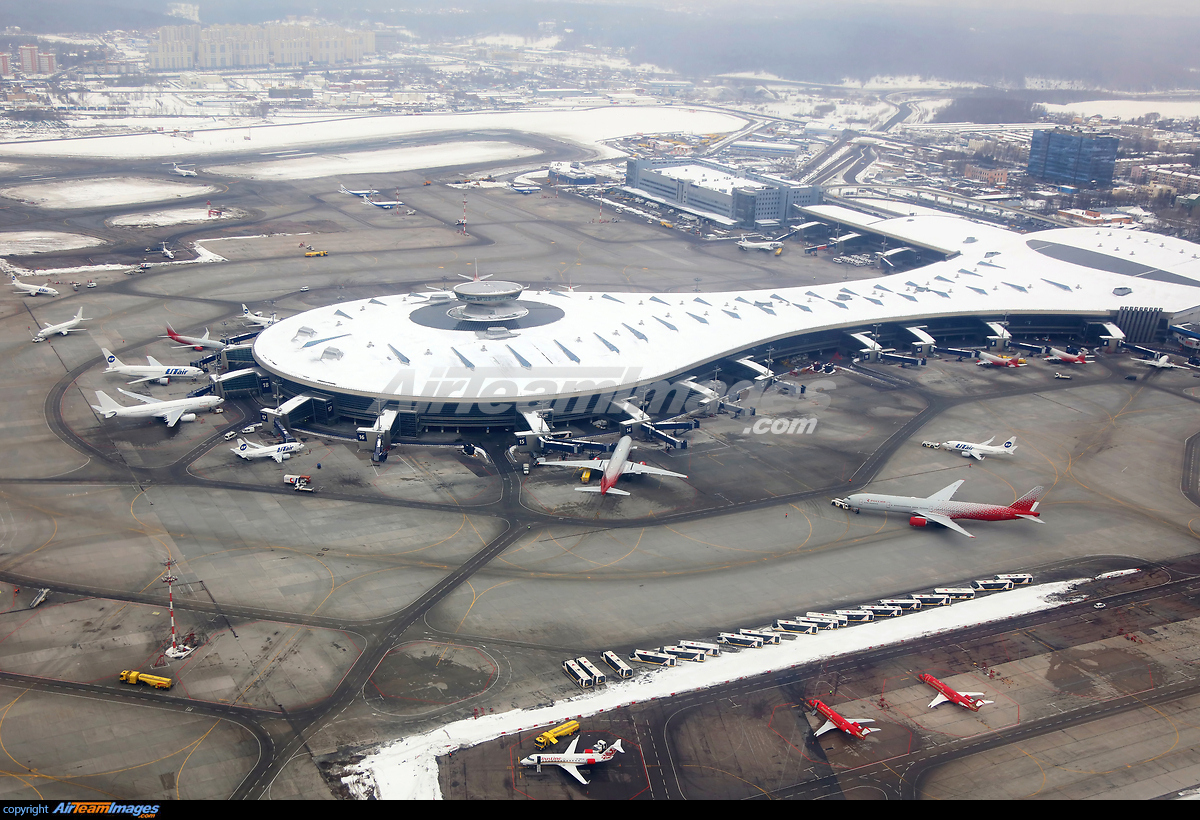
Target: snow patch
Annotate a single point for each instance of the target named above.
(17, 243)
(176, 216)
(407, 769)
(102, 193)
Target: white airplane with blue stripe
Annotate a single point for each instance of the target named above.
(979, 451)
(155, 371)
(279, 452)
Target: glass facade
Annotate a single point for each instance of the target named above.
(1073, 158)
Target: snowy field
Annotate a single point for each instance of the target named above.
(1129, 109)
(407, 769)
(587, 127)
(387, 160)
(102, 193)
(17, 243)
(175, 216)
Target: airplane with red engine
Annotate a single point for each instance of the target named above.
(613, 467)
(940, 509)
(986, 358)
(1057, 355)
(967, 700)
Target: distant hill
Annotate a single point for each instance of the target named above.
(81, 16)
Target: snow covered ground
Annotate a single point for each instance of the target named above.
(102, 193)
(17, 243)
(586, 127)
(1129, 109)
(387, 160)
(175, 216)
(407, 769)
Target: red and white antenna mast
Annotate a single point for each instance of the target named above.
(463, 224)
(170, 580)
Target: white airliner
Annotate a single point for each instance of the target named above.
(171, 411)
(256, 318)
(32, 290)
(1163, 362)
(155, 371)
(939, 509)
(1057, 355)
(986, 358)
(570, 760)
(183, 172)
(750, 245)
(194, 342)
(342, 189)
(612, 468)
(978, 451)
(62, 328)
(385, 205)
(167, 252)
(278, 452)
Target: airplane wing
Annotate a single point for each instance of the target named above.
(612, 490)
(975, 454)
(986, 443)
(828, 727)
(140, 397)
(938, 701)
(599, 464)
(145, 379)
(278, 457)
(571, 749)
(172, 417)
(634, 468)
(947, 493)
(573, 770)
(155, 362)
(945, 521)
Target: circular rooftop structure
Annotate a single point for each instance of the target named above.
(488, 302)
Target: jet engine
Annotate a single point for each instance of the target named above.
(163, 380)
(188, 417)
(918, 521)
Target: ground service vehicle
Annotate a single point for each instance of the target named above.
(590, 668)
(1019, 579)
(650, 656)
(551, 736)
(575, 672)
(129, 676)
(316, 253)
(619, 666)
(956, 593)
(994, 585)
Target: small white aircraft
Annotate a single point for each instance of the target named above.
(570, 760)
(1163, 362)
(381, 204)
(279, 452)
(183, 172)
(172, 411)
(751, 245)
(256, 319)
(939, 509)
(986, 358)
(62, 328)
(32, 290)
(155, 371)
(194, 342)
(612, 468)
(342, 189)
(978, 451)
(170, 254)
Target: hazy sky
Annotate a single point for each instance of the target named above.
(1189, 8)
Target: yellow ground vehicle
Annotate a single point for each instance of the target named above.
(586, 477)
(316, 253)
(551, 736)
(128, 676)
(666, 224)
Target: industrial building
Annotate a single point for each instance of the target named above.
(1071, 157)
(492, 356)
(719, 193)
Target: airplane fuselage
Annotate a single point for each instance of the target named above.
(919, 506)
(1069, 358)
(616, 464)
(145, 371)
(967, 449)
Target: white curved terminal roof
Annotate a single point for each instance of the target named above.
(372, 347)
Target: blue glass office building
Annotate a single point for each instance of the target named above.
(1079, 158)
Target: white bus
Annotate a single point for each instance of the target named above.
(932, 599)
(841, 619)
(709, 648)
(618, 666)
(573, 671)
(884, 610)
(855, 616)
(956, 593)
(683, 653)
(746, 641)
(650, 656)
(1019, 579)
(767, 637)
(994, 585)
(905, 604)
(796, 627)
(823, 623)
(590, 668)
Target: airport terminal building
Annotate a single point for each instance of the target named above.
(488, 353)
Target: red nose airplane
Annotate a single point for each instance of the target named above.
(986, 358)
(836, 721)
(967, 700)
(1057, 355)
(613, 467)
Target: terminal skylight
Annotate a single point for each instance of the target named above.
(635, 332)
(463, 359)
(315, 342)
(667, 324)
(399, 355)
(699, 319)
(607, 343)
(564, 349)
(524, 362)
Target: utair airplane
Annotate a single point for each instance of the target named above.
(155, 371)
(279, 452)
(939, 509)
(183, 172)
(194, 342)
(62, 328)
(32, 290)
(750, 245)
(1057, 355)
(612, 468)
(976, 451)
(986, 358)
(342, 189)
(172, 412)
(570, 760)
(256, 319)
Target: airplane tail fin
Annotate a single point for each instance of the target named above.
(109, 357)
(616, 747)
(1011, 444)
(108, 406)
(1028, 502)
(245, 310)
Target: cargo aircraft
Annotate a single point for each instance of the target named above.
(342, 189)
(939, 509)
(612, 468)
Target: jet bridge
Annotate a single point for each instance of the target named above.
(379, 436)
(924, 343)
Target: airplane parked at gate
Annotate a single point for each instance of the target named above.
(62, 328)
(32, 290)
(751, 245)
(342, 189)
(1057, 355)
(851, 726)
(256, 319)
(279, 452)
(977, 451)
(172, 411)
(570, 760)
(986, 358)
(194, 342)
(967, 700)
(612, 468)
(155, 371)
(939, 509)
(1163, 362)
